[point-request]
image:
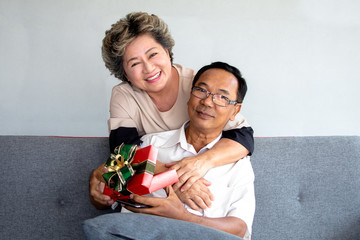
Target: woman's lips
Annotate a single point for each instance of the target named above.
(154, 78)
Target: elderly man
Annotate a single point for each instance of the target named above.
(216, 97)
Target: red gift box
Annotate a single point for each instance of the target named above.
(145, 182)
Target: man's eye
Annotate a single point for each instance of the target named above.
(223, 97)
(202, 90)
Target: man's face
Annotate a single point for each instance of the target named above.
(204, 114)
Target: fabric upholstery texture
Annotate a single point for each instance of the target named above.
(306, 187)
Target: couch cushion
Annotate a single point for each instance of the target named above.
(44, 193)
(307, 188)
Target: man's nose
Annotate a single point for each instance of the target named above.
(208, 101)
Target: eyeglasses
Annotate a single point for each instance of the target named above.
(218, 99)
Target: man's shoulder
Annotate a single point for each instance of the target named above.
(159, 139)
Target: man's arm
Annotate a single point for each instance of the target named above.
(197, 196)
(172, 207)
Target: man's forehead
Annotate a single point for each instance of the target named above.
(216, 76)
(216, 72)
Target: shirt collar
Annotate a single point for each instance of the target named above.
(180, 138)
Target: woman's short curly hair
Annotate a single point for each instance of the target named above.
(123, 32)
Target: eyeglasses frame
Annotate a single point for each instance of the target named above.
(213, 96)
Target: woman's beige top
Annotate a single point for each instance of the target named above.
(132, 107)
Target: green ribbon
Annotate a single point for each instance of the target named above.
(144, 167)
(119, 167)
(121, 170)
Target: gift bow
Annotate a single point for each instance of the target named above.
(119, 167)
(143, 181)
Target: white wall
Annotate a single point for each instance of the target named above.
(300, 58)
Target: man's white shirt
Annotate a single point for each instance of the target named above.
(232, 185)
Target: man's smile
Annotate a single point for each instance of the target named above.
(204, 113)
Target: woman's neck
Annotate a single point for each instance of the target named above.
(166, 98)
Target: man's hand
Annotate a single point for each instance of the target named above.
(96, 187)
(189, 170)
(198, 196)
(170, 206)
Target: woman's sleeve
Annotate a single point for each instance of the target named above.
(240, 131)
(123, 122)
(127, 135)
(243, 135)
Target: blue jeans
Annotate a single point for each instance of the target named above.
(146, 227)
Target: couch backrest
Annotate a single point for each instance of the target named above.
(306, 187)
(44, 192)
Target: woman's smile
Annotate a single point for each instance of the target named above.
(154, 78)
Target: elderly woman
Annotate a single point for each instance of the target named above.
(152, 98)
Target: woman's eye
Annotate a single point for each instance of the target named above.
(134, 64)
(153, 54)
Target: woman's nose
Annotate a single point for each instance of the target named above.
(148, 66)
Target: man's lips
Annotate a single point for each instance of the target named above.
(154, 77)
(204, 114)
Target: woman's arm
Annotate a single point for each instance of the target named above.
(127, 135)
(122, 124)
(235, 145)
(96, 187)
(96, 181)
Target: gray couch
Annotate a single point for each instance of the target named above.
(306, 187)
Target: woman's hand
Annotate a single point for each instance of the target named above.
(189, 170)
(198, 196)
(96, 188)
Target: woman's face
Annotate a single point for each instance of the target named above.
(147, 64)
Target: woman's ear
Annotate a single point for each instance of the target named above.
(168, 52)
